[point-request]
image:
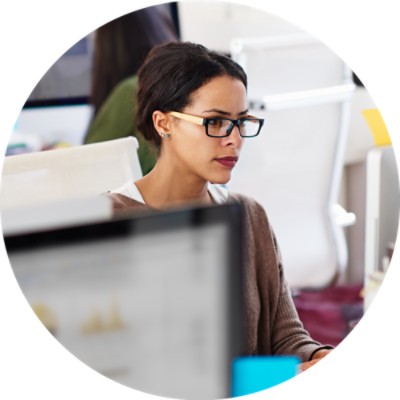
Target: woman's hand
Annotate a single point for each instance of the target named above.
(316, 357)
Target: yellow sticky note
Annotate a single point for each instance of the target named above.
(377, 125)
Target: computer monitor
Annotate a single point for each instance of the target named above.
(51, 124)
(153, 301)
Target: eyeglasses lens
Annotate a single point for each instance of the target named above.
(223, 127)
(249, 127)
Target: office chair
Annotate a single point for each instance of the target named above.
(294, 167)
(68, 173)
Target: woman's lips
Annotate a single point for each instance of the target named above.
(228, 162)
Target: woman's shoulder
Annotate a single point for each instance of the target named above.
(125, 206)
(125, 88)
(129, 82)
(256, 219)
(126, 199)
(255, 211)
(221, 194)
(122, 201)
(247, 201)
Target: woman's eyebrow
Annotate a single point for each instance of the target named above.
(216, 110)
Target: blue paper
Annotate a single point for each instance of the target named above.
(252, 374)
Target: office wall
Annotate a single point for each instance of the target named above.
(215, 24)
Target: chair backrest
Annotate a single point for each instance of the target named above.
(294, 167)
(67, 173)
(294, 62)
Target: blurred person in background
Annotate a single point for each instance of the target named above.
(120, 48)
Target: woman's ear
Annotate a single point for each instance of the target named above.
(162, 122)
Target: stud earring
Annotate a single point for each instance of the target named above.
(166, 136)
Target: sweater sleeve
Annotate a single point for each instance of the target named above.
(289, 335)
(279, 330)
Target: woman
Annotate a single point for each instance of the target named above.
(120, 48)
(192, 108)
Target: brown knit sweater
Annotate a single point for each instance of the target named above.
(273, 326)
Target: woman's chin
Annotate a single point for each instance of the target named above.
(220, 179)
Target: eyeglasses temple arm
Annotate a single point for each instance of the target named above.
(187, 117)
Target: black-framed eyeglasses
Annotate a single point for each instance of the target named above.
(219, 127)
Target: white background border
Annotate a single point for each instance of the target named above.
(34, 34)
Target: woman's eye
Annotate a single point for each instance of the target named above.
(215, 122)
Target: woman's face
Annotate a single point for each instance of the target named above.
(208, 158)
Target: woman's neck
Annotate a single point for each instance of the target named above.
(164, 187)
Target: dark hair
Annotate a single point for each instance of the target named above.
(122, 44)
(170, 74)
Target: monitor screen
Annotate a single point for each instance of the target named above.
(58, 111)
(152, 302)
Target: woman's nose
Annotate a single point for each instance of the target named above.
(234, 139)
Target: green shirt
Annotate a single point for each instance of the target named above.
(117, 118)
